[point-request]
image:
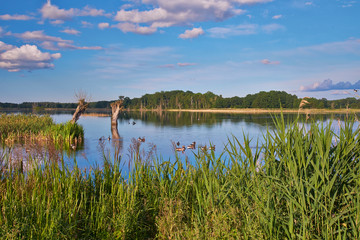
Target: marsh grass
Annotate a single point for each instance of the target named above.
(22, 128)
(298, 184)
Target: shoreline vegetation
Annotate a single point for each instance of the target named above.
(40, 128)
(264, 111)
(100, 112)
(302, 182)
(167, 100)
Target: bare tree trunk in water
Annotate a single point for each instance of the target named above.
(116, 107)
(114, 132)
(79, 110)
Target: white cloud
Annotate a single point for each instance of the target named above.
(252, 1)
(157, 14)
(73, 47)
(49, 45)
(180, 64)
(57, 22)
(50, 11)
(193, 33)
(127, 6)
(268, 62)
(277, 16)
(134, 28)
(39, 36)
(186, 64)
(86, 24)
(165, 13)
(93, 12)
(103, 25)
(269, 28)
(340, 92)
(120, 60)
(167, 66)
(26, 57)
(48, 42)
(56, 55)
(242, 29)
(26, 52)
(15, 17)
(328, 84)
(343, 47)
(5, 47)
(71, 31)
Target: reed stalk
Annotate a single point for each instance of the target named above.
(302, 182)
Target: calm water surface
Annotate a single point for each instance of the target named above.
(163, 130)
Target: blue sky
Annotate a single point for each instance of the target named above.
(51, 49)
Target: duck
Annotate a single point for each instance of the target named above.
(109, 138)
(73, 146)
(182, 149)
(212, 148)
(204, 148)
(141, 139)
(133, 123)
(101, 138)
(192, 145)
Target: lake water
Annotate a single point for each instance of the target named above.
(162, 131)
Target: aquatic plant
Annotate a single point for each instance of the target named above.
(23, 127)
(301, 183)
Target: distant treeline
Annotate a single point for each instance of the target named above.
(188, 100)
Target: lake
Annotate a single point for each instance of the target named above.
(168, 128)
(162, 131)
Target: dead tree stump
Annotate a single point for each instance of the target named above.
(116, 107)
(82, 106)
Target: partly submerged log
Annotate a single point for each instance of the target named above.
(82, 106)
(116, 107)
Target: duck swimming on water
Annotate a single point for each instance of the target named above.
(192, 145)
(182, 149)
(212, 148)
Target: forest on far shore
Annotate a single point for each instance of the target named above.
(178, 99)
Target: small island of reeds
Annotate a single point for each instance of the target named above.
(302, 182)
(40, 128)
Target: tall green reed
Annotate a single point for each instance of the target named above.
(301, 182)
(27, 128)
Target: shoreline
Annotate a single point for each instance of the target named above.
(265, 111)
(107, 112)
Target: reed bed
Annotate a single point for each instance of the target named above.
(29, 127)
(301, 183)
